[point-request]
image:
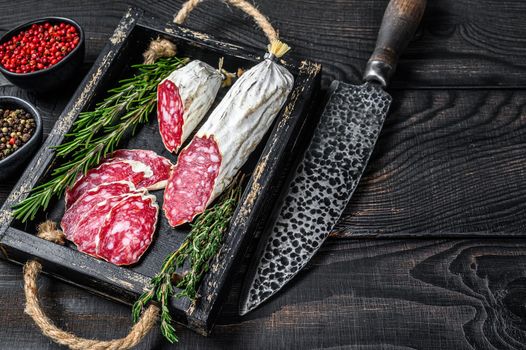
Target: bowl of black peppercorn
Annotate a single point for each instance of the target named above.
(20, 135)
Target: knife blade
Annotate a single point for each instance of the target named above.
(333, 163)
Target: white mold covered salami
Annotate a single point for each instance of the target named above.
(183, 99)
(227, 138)
(128, 230)
(159, 165)
(126, 170)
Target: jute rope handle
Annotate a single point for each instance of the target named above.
(243, 5)
(164, 48)
(49, 231)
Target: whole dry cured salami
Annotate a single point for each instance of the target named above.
(86, 234)
(125, 170)
(159, 165)
(183, 99)
(231, 133)
(128, 230)
(197, 168)
(88, 200)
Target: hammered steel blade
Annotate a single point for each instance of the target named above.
(320, 189)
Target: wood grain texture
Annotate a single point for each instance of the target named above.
(448, 163)
(411, 294)
(403, 294)
(462, 42)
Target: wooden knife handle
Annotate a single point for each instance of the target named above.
(401, 19)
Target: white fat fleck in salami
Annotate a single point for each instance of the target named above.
(126, 170)
(183, 99)
(128, 230)
(88, 200)
(237, 125)
(192, 181)
(86, 234)
(159, 165)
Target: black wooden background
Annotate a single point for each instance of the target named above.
(451, 161)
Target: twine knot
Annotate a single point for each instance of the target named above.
(48, 231)
(159, 48)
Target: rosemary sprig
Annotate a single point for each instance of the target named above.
(97, 133)
(199, 248)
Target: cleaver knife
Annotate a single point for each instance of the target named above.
(333, 164)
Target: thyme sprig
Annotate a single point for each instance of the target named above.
(97, 133)
(201, 245)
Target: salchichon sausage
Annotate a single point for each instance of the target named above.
(125, 170)
(227, 138)
(86, 234)
(128, 230)
(160, 166)
(183, 99)
(90, 199)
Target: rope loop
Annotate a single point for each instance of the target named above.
(48, 230)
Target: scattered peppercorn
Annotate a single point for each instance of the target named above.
(17, 127)
(39, 47)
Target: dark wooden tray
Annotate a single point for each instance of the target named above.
(267, 165)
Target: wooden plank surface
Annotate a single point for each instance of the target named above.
(408, 294)
(450, 161)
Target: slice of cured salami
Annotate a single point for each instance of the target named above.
(126, 170)
(160, 166)
(86, 234)
(192, 181)
(88, 200)
(128, 230)
(183, 99)
(236, 126)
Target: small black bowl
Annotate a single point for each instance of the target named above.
(46, 79)
(14, 164)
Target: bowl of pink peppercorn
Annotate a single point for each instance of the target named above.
(43, 54)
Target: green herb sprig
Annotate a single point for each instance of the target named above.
(199, 248)
(97, 133)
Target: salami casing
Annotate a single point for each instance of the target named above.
(232, 132)
(88, 200)
(183, 99)
(128, 230)
(159, 165)
(126, 170)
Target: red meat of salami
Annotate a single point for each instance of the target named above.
(88, 200)
(126, 170)
(160, 166)
(190, 185)
(128, 230)
(86, 234)
(170, 114)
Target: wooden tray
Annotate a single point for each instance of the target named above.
(267, 165)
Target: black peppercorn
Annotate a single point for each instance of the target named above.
(16, 128)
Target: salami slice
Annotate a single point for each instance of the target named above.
(170, 115)
(128, 230)
(126, 170)
(160, 166)
(183, 99)
(86, 234)
(88, 200)
(190, 185)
